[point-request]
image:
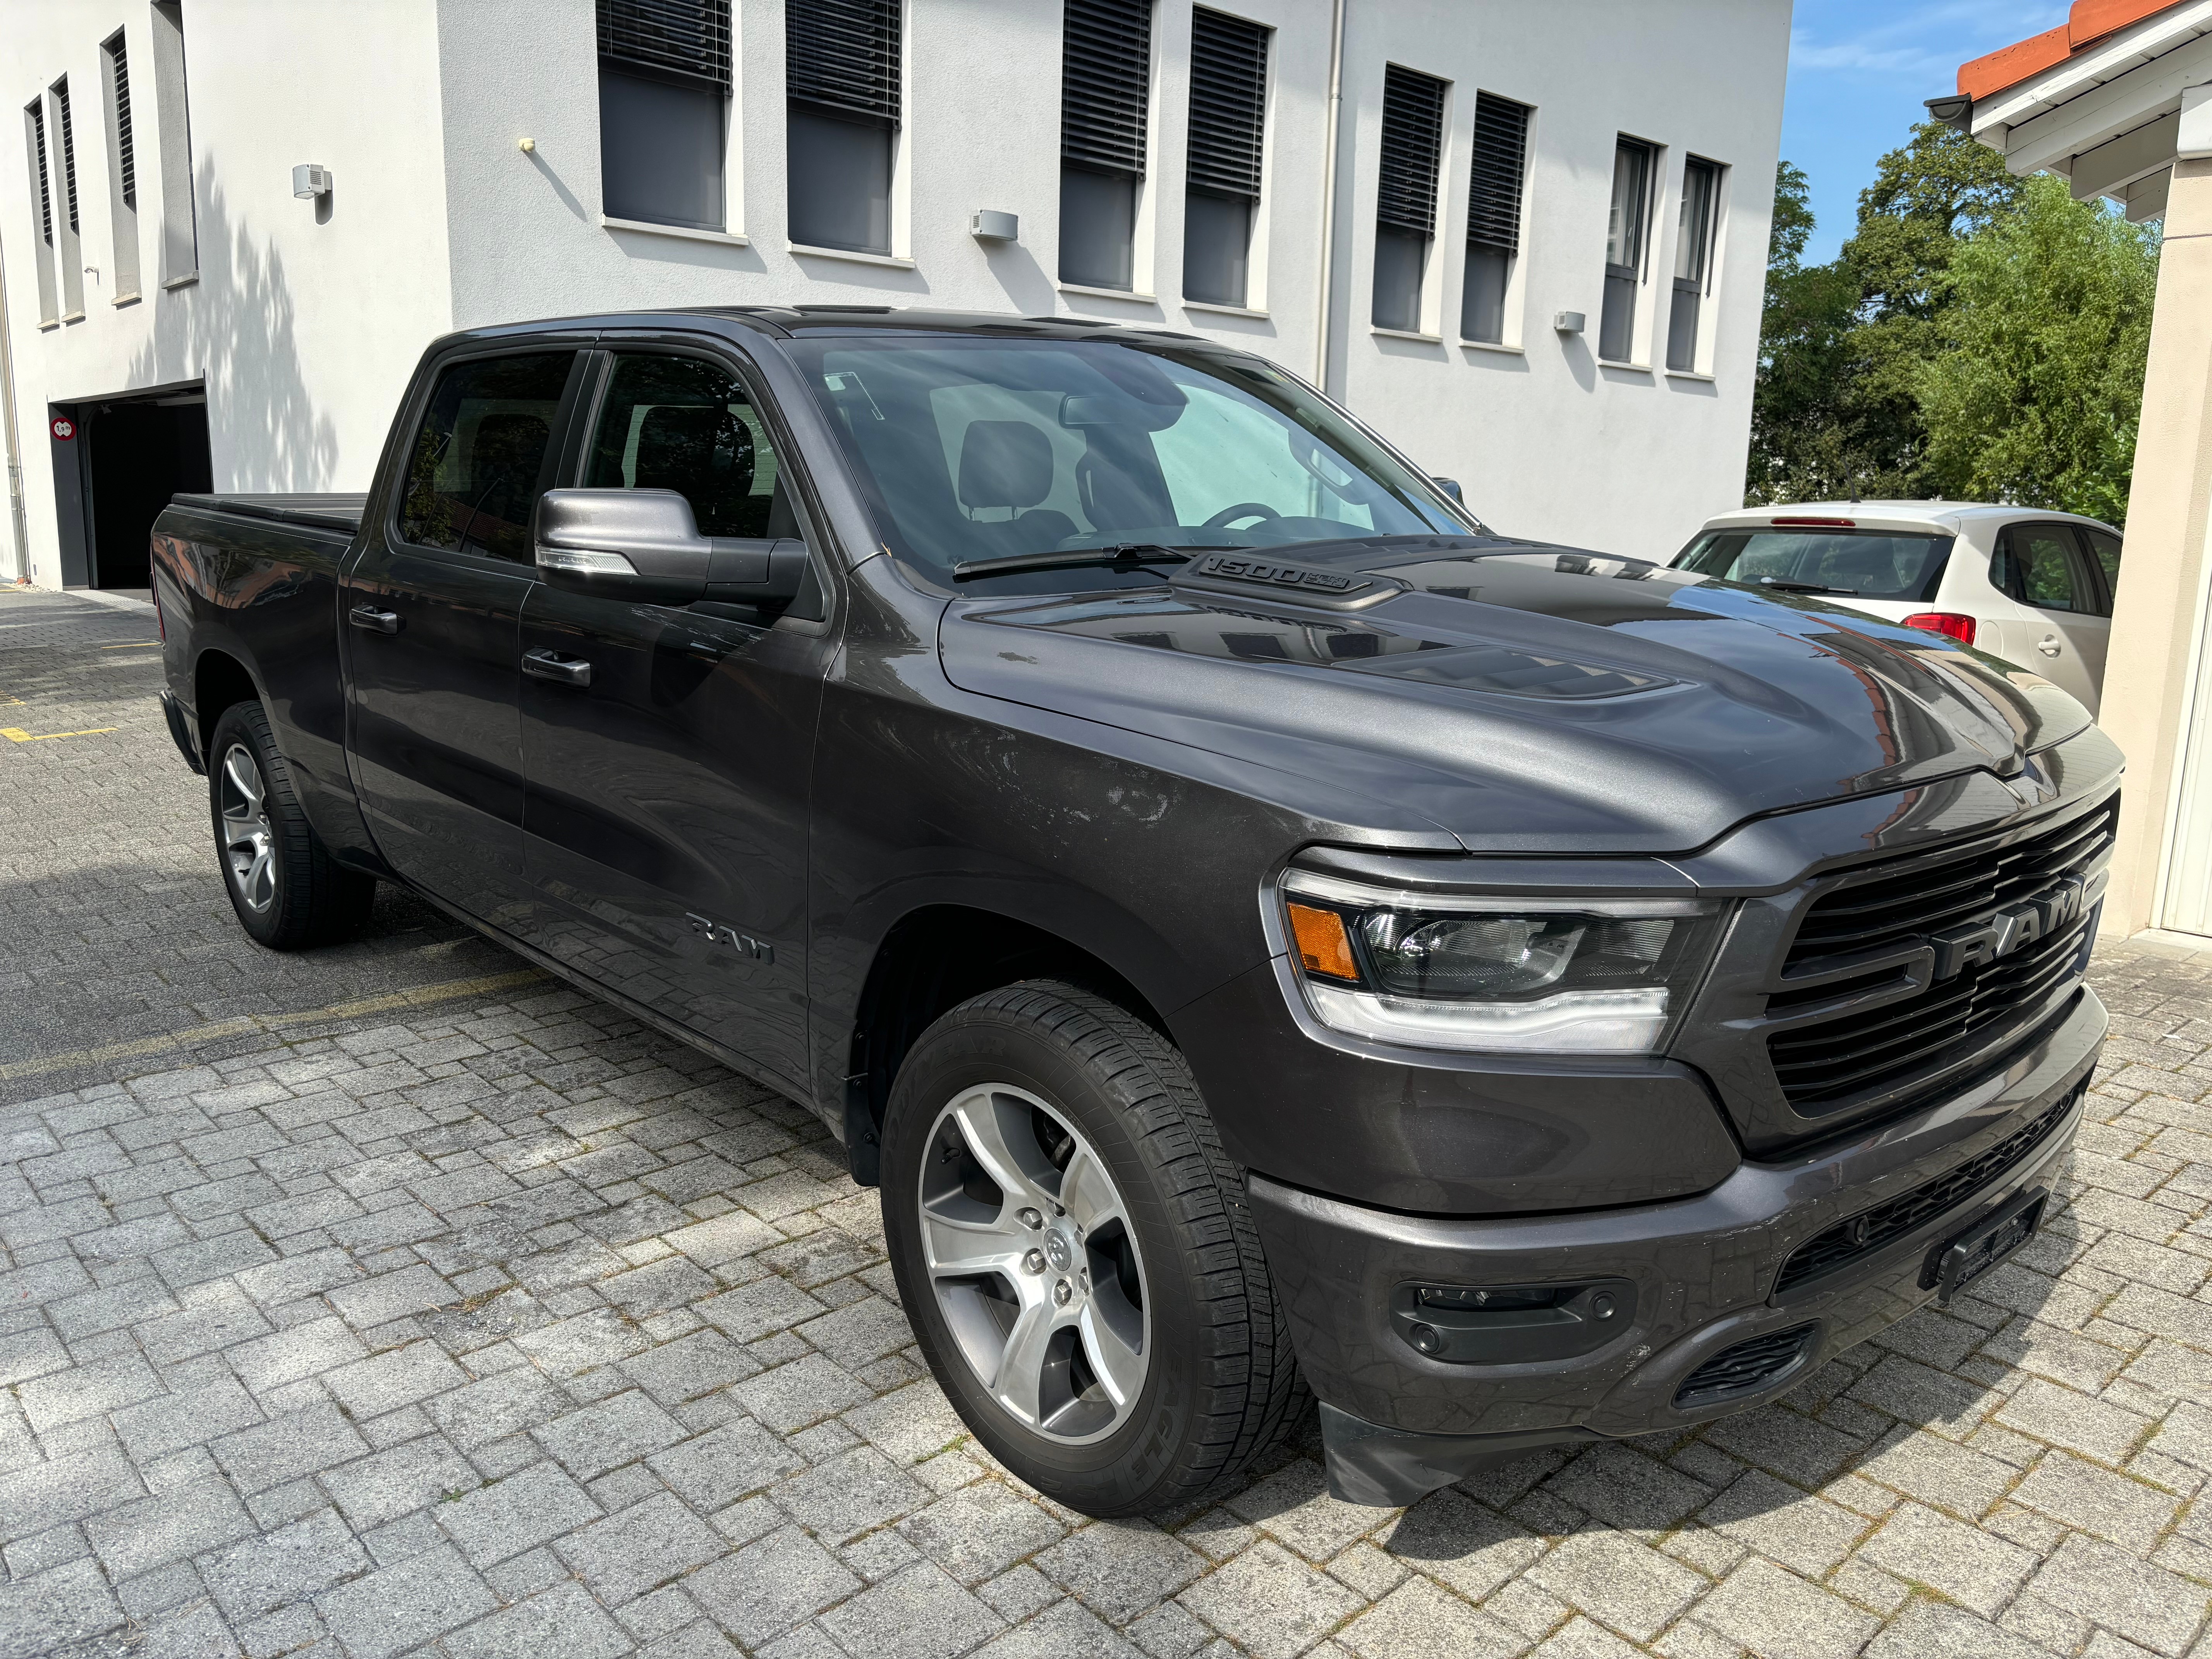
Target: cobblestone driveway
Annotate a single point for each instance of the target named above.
(417, 1304)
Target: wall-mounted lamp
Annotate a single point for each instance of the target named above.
(1567, 322)
(991, 226)
(310, 180)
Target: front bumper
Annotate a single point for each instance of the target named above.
(1704, 1272)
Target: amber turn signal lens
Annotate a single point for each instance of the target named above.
(1322, 945)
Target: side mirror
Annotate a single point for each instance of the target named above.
(644, 545)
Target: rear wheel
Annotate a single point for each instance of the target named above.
(287, 890)
(1076, 1256)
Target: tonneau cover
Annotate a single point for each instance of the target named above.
(322, 511)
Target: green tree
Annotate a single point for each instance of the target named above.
(2033, 389)
(1837, 410)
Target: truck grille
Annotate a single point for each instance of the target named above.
(1824, 1065)
(1746, 1367)
(1871, 1229)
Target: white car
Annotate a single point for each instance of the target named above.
(2034, 589)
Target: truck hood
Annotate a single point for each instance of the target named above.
(1518, 696)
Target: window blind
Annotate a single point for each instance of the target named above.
(1228, 103)
(1106, 57)
(36, 109)
(1493, 195)
(68, 152)
(126, 154)
(841, 57)
(686, 41)
(1412, 137)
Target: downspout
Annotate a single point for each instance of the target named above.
(1329, 198)
(22, 536)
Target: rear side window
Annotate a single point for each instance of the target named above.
(2036, 564)
(2106, 550)
(478, 463)
(1867, 564)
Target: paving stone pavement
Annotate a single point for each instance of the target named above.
(487, 1324)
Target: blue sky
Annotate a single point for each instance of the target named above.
(1859, 71)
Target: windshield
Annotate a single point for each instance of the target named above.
(1873, 564)
(988, 449)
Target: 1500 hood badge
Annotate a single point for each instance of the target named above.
(1241, 572)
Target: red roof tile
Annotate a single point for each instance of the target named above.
(2087, 23)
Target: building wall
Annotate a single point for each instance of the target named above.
(305, 331)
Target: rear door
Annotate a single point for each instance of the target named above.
(667, 749)
(432, 607)
(2054, 627)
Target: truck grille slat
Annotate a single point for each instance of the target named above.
(1821, 1066)
(1872, 1230)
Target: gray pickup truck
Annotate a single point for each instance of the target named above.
(1264, 931)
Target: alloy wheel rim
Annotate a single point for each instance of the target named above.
(1034, 1263)
(249, 845)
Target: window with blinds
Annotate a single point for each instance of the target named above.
(664, 77)
(69, 151)
(1497, 172)
(1405, 193)
(181, 246)
(844, 76)
(1228, 116)
(1106, 65)
(126, 153)
(122, 163)
(42, 206)
(69, 256)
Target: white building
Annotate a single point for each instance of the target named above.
(1546, 226)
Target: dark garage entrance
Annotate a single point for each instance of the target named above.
(136, 452)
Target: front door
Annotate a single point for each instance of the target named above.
(2054, 629)
(666, 749)
(432, 608)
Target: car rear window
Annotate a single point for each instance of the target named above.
(1870, 564)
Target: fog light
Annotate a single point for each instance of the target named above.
(1425, 1338)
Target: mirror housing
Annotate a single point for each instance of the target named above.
(644, 545)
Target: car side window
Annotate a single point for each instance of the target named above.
(479, 460)
(682, 424)
(2035, 565)
(2104, 548)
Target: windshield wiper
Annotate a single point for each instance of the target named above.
(1123, 553)
(1788, 587)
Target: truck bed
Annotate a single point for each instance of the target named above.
(320, 512)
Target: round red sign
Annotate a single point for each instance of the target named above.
(64, 428)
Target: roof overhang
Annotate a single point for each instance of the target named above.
(2109, 111)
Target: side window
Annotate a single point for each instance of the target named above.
(475, 469)
(2104, 549)
(677, 423)
(2035, 565)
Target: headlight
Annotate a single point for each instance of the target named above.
(1473, 971)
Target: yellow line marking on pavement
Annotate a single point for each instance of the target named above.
(136, 644)
(17, 734)
(247, 1024)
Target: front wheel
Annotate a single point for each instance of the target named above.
(1076, 1256)
(288, 891)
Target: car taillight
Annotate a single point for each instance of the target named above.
(1949, 624)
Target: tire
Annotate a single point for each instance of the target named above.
(1026, 1097)
(288, 891)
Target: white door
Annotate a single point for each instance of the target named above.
(2054, 629)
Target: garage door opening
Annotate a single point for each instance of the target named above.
(138, 452)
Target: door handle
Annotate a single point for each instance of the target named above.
(553, 666)
(2049, 645)
(369, 619)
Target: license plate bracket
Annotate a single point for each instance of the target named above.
(1966, 1256)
